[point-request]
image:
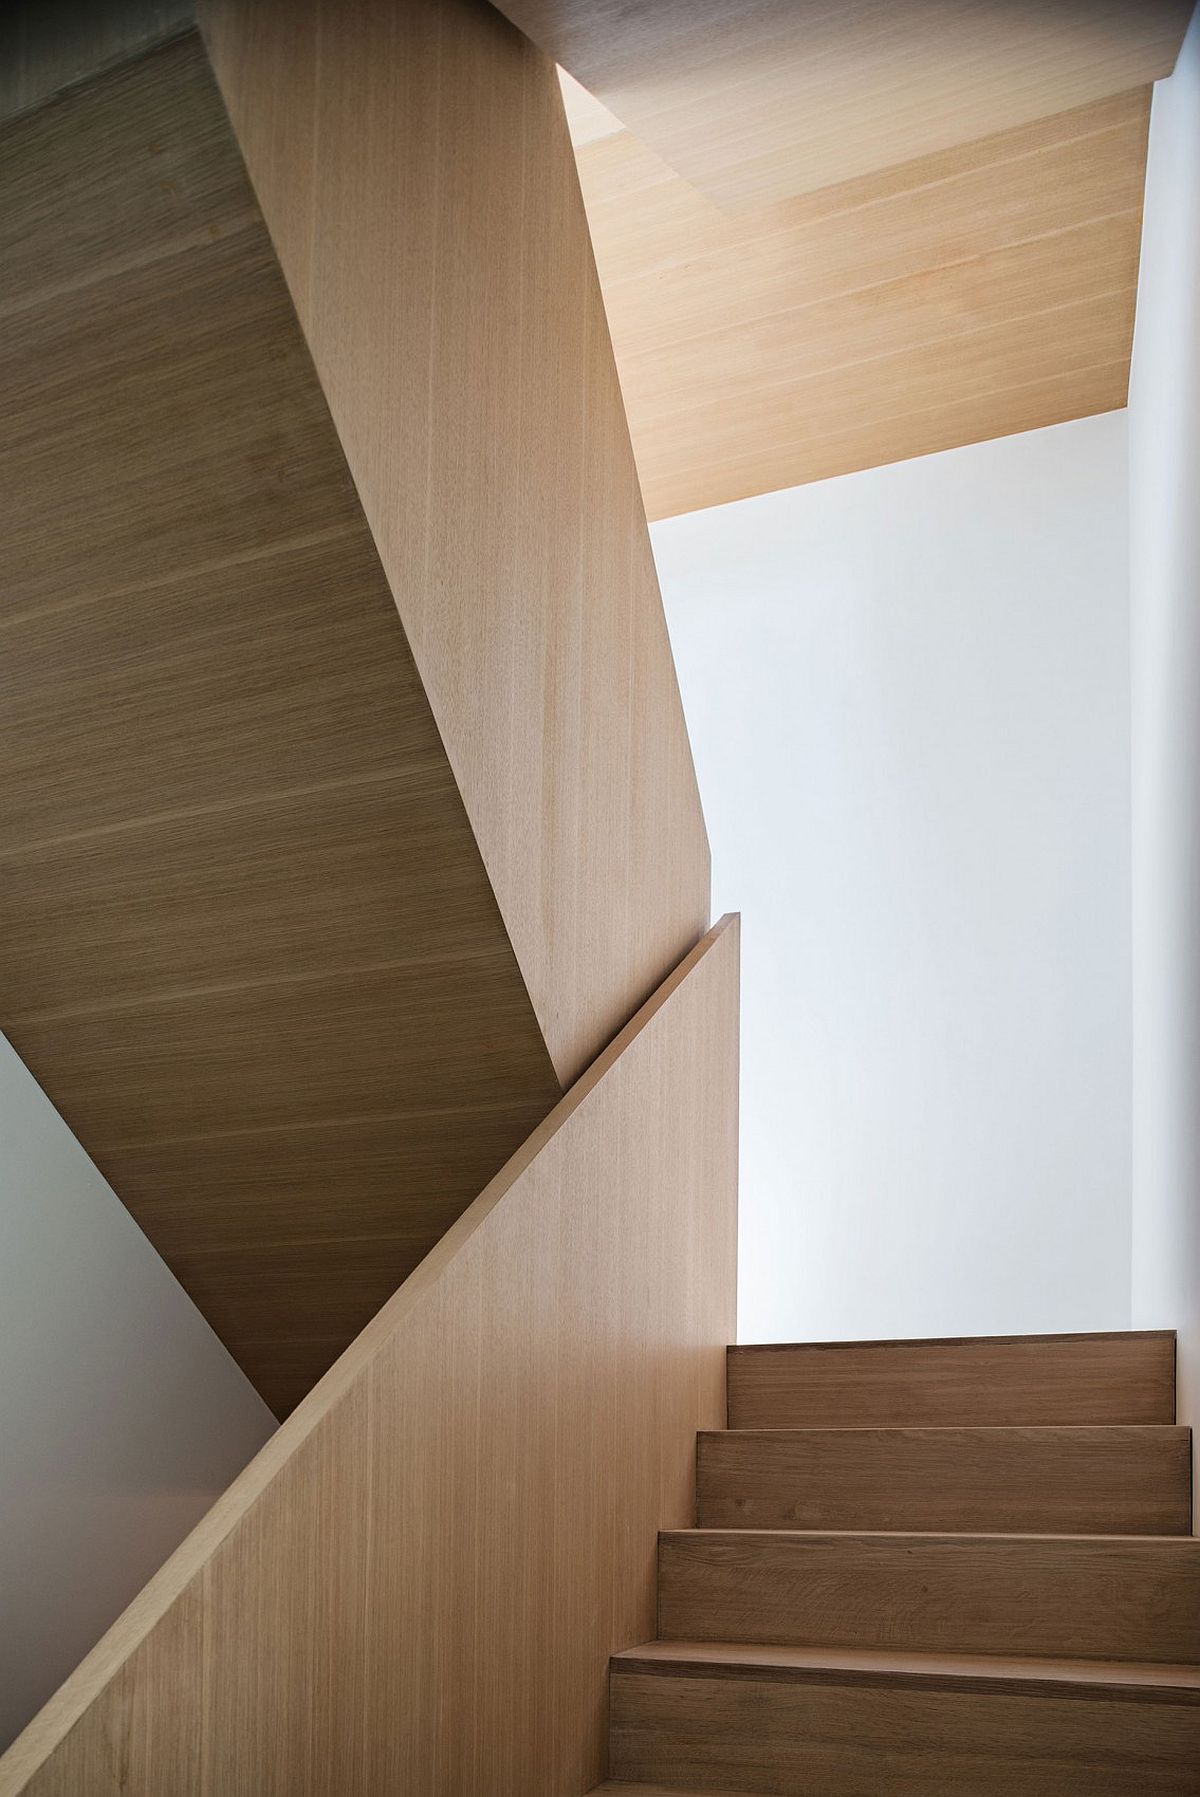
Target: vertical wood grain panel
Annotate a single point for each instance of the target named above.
(417, 1584)
(416, 175)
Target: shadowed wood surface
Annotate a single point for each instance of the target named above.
(1098, 1597)
(780, 1732)
(1114, 1481)
(49, 45)
(247, 942)
(419, 184)
(725, 1659)
(979, 291)
(1108, 1378)
(417, 1584)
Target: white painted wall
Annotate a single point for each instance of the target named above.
(1164, 420)
(121, 1415)
(908, 694)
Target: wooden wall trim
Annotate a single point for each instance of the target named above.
(417, 1583)
(417, 178)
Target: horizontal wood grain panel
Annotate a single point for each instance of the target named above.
(204, 335)
(1077, 358)
(1078, 394)
(1116, 1481)
(418, 1583)
(753, 103)
(1088, 1597)
(775, 1733)
(1022, 280)
(374, 864)
(1103, 1378)
(302, 1181)
(747, 345)
(286, 1051)
(247, 942)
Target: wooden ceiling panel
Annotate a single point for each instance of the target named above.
(756, 101)
(980, 291)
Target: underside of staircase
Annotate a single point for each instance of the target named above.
(943, 1569)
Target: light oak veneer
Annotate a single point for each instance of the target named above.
(416, 175)
(755, 102)
(972, 293)
(418, 1582)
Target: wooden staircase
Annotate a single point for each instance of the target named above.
(942, 1569)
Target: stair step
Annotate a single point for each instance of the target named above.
(713, 1716)
(1110, 1480)
(1002, 1379)
(1120, 1597)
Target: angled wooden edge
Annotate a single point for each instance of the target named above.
(55, 1720)
(1029, 1675)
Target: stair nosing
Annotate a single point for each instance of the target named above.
(1032, 1675)
(933, 1535)
(954, 1341)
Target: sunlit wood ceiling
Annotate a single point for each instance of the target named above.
(834, 235)
(986, 290)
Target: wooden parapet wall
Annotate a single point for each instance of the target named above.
(416, 1585)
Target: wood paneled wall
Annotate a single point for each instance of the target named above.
(416, 1585)
(415, 171)
(247, 943)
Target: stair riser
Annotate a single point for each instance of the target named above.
(1028, 1380)
(1073, 1597)
(1041, 1480)
(851, 1740)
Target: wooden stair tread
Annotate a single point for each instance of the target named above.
(877, 1665)
(1056, 1478)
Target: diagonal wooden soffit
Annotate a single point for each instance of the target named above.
(835, 235)
(349, 809)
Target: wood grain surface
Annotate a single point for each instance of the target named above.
(416, 175)
(753, 103)
(417, 1584)
(1092, 1597)
(1105, 1378)
(968, 294)
(772, 1732)
(247, 942)
(1107, 1481)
